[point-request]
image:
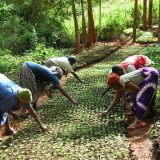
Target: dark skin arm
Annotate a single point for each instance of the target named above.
(34, 115)
(76, 76)
(66, 94)
(132, 87)
(113, 104)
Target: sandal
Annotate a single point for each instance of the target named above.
(139, 125)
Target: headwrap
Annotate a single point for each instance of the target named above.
(112, 79)
(25, 95)
(72, 59)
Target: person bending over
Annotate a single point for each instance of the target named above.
(130, 64)
(143, 83)
(35, 76)
(65, 63)
(12, 97)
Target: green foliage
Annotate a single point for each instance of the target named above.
(75, 132)
(25, 24)
(51, 32)
(114, 20)
(16, 35)
(146, 37)
(110, 31)
(154, 54)
(10, 63)
(155, 12)
(41, 53)
(128, 31)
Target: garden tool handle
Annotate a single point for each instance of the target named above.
(104, 92)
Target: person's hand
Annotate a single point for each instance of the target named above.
(44, 128)
(74, 101)
(82, 81)
(103, 114)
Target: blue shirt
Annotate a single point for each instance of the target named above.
(8, 94)
(43, 73)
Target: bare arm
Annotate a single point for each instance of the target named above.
(131, 86)
(114, 103)
(66, 94)
(34, 115)
(76, 76)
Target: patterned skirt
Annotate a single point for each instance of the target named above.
(145, 98)
(27, 80)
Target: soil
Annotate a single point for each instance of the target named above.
(140, 144)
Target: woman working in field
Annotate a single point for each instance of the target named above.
(143, 83)
(130, 64)
(34, 76)
(65, 63)
(12, 97)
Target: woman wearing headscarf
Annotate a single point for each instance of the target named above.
(130, 64)
(12, 97)
(35, 77)
(143, 83)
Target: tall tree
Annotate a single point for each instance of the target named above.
(84, 32)
(135, 20)
(159, 24)
(100, 12)
(144, 15)
(77, 35)
(91, 29)
(150, 13)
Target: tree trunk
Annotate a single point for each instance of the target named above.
(100, 12)
(135, 20)
(159, 24)
(144, 15)
(91, 30)
(33, 11)
(150, 13)
(84, 32)
(77, 36)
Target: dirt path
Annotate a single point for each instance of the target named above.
(140, 143)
